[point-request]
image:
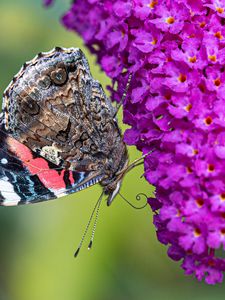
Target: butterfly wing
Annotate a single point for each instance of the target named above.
(25, 177)
(59, 111)
(54, 107)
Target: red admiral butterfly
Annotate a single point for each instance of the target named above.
(58, 133)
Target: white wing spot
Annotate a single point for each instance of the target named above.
(4, 161)
(8, 193)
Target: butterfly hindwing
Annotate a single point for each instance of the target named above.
(25, 177)
(56, 108)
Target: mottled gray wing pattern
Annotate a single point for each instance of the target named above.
(55, 108)
(58, 110)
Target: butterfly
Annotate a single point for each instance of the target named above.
(58, 133)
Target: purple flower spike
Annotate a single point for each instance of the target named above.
(176, 106)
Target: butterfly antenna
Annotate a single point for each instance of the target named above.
(138, 198)
(88, 224)
(95, 223)
(124, 93)
(138, 161)
(134, 164)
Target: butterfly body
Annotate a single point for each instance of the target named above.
(60, 130)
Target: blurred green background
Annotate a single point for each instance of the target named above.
(38, 242)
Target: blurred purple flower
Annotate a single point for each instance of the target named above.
(48, 2)
(176, 52)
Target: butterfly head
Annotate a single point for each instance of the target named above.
(112, 184)
(113, 193)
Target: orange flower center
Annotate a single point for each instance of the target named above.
(168, 96)
(202, 87)
(218, 35)
(212, 58)
(220, 10)
(217, 82)
(170, 20)
(195, 151)
(211, 168)
(199, 202)
(154, 41)
(192, 59)
(182, 78)
(153, 4)
(178, 213)
(189, 170)
(202, 25)
(222, 197)
(188, 107)
(197, 232)
(208, 120)
(222, 231)
(169, 59)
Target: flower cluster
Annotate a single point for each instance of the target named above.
(176, 106)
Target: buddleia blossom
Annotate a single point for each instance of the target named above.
(176, 106)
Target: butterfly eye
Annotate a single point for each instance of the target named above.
(59, 76)
(44, 82)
